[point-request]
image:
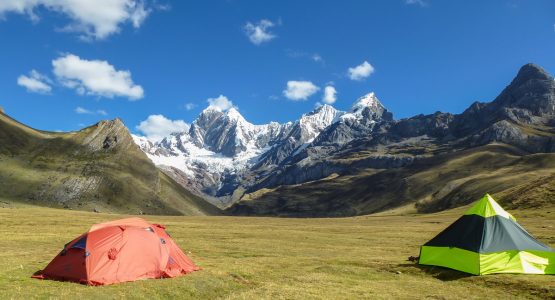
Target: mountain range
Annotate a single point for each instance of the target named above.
(326, 163)
(222, 153)
(335, 163)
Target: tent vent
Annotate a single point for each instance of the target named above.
(80, 244)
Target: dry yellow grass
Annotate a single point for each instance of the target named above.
(262, 258)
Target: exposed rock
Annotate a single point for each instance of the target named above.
(435, 125)
(301, 134)
(224, 156)
(523, 115)
(110, 142)
(229, 133)
(97, 167)
(529, 99)
(107, 135)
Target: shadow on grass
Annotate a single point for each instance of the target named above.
(440, 273)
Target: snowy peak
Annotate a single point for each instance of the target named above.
(212, 114)
(313, 123)
(142, 142)
(367, 109)
(322, 115)
(294, 137)
(207, 117)
(324, 111)
(228, 133)
(234, 116)
(221, 145)
(367, 101)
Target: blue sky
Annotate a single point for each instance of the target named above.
(132, 59)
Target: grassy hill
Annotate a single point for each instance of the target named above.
(269, 258)
(97, 168)
(430, 184)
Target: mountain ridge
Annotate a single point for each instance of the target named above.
(521, 117)
(219, 145)
(97, 168)
(327, 141)
(328, 163)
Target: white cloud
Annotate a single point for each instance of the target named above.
(316, 57)
(83, 111)
(416, 2)
(157, 127)
(361, 71)
(190, 106)
(139, 14)
(92, 19)
(259, 33)
(300, 90)
(221, 103)
(95, 77)
(35, 82)
(330, 95)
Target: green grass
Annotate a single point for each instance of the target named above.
(75, 170)
(263, 258)
(441, 182)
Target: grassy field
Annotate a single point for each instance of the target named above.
(257, 258)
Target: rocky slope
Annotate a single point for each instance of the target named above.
(217, 148)
(326, 163)
(295, 168)
(98, 168)
(437, 161)
(222, 154)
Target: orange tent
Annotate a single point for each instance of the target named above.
(122, 250)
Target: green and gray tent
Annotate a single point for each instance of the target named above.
(486, 240)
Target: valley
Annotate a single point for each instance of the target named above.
(246, 258)
(329, 163)
(154, 149)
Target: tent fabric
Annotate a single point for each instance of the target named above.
(118, 251)
(488, 207)
(486, 240)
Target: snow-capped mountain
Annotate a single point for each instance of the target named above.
(221, 150)
(301, 134)
(367, 108)
(230, 134)
(310, 125)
